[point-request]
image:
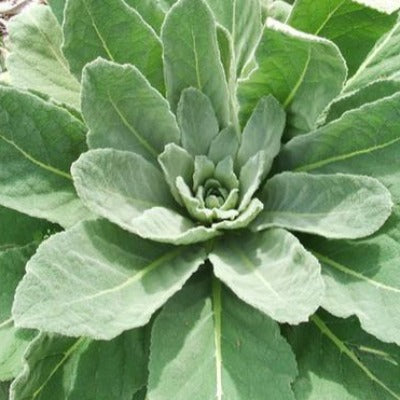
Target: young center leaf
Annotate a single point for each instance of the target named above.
(272, 272)
(334, 206)
(115, 282)
(207, 344)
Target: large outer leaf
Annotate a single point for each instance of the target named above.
(382, 62)
(36, 61)
(369, 145)
(334, 206)
(271, 271)
(13, 341)
(151, 10)
(60, 368)
(57, 7)
(353, 26)
(134, 116)
(302, 71)
(362, 278)
(207, 344)
(242, 19)
(131, 192)
(191, 55)
(38, 143)
(114, 31)
(338, 361)
(97, 280)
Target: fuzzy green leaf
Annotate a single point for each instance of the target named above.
(38, 143)
(242, 19)
(354, 26)
(225, 144)
(13, 341)
(372, 151)
(36, 61)
(134, 116)
(207, 344)
(338, 361)
(272, 272)
(303, 72)
(362, 279)
(151, 11)
(334, 206)
(91, 31)
(382, 62)
(197, 120)
(60, 368)
(263, 131)
(57, 7)
(192, 57)
(368, 94)
(114, 283)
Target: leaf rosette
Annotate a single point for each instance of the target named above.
(214, 172)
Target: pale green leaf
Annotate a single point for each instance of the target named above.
(280, 10)
(353, 25)
(225, 144)
(20, 229)
(192, 57)
(57, 7)
(13, 341)
(36, 61)
(362, 279)
(197, 120)
(338, 361)
(134, 116)
(207, 344)
(176, 161)
(263, 131)
(382, 62)
(91, 31)
(225, 46)
(97, 280)
(372, 149)
(335, 206)
(61, 368)
(242, 19)
(151, 11)
(272, 272)
(38, 143)
(303, 72)
(368, 94)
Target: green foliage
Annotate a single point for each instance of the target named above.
(199, 199)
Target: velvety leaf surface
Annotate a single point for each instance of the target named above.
(57, 7)
(36, 61)
(272, 272)
(303, 72)
(61, 368)
(151, 11)
(113, 31)
(362, 279)
(372, 151)
(39, 142)
(4, 387)
(207, 344)
(263, 131)
(353, 26)
(368, 94)
(242, 19)
(225, 144)
(197, 120)
(134, 116)
(192, 57)
(382, 62)
(334, 206)
(339, 361)
(115, 282)
(13, 341)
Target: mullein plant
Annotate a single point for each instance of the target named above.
(200, 200)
